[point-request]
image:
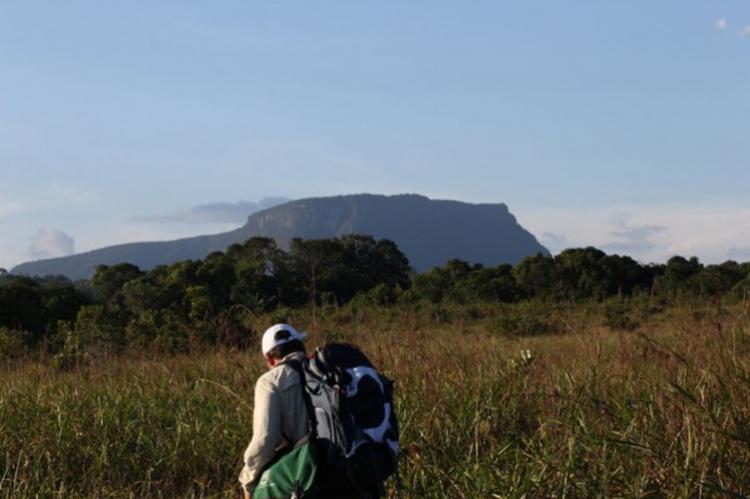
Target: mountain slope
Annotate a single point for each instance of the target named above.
(428, 231)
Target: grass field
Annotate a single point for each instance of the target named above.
(654, 405)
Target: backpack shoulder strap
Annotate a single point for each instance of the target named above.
(311, 419)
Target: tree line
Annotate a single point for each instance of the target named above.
(175, 307)
(581, 274)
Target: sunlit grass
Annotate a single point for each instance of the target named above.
(581, 411)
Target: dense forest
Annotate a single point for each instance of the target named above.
(192, 304)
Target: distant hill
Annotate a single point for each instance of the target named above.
(428, 231)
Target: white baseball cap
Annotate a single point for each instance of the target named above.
(272, 338)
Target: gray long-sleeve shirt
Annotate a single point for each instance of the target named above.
(279, 418)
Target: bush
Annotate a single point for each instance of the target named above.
(95, 331)
(619, 316)
(381, 295)
(527, 319)
(14, 344)
(741, 290)
(72, 354)
(281, 314)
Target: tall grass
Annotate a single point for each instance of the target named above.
(489, 407)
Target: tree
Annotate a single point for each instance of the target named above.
(146, 293)
(582, 273)
(318, 266)
(369, 263)
(62, 301)
(255, 264)
(21, 306)
(677, 273)
(715, 280)
(344, 266)
(216, 273)
(537, 276)
(108, 281)
(433, 285)
(36, 305)
(626, 276)
(493, 284)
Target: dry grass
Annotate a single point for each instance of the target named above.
(663, 410)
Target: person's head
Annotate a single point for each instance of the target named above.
(279, 341)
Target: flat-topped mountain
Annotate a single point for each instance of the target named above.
(428, 231)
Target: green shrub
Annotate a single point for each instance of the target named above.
(526, 319)
(95, 331)
(741, 291)
(14, 344)
(381, 295)
(619, 315)
(72, 354)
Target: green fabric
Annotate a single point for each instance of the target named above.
(293, 473)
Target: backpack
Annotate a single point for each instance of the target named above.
(355, 425)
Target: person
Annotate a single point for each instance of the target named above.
(281, 419)
(280, 416)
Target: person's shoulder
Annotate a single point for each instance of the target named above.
(280, 377)
(270, 378)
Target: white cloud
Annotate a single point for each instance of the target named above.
(629, 238)
(554, 242)
(22, 210)
(50, 243)
(218, 213)
(721, 24)
(649, 232)
(745, 33)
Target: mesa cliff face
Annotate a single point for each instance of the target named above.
(429, 232)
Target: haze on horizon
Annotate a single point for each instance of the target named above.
(618, 125)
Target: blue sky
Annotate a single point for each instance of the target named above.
(618, 124)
